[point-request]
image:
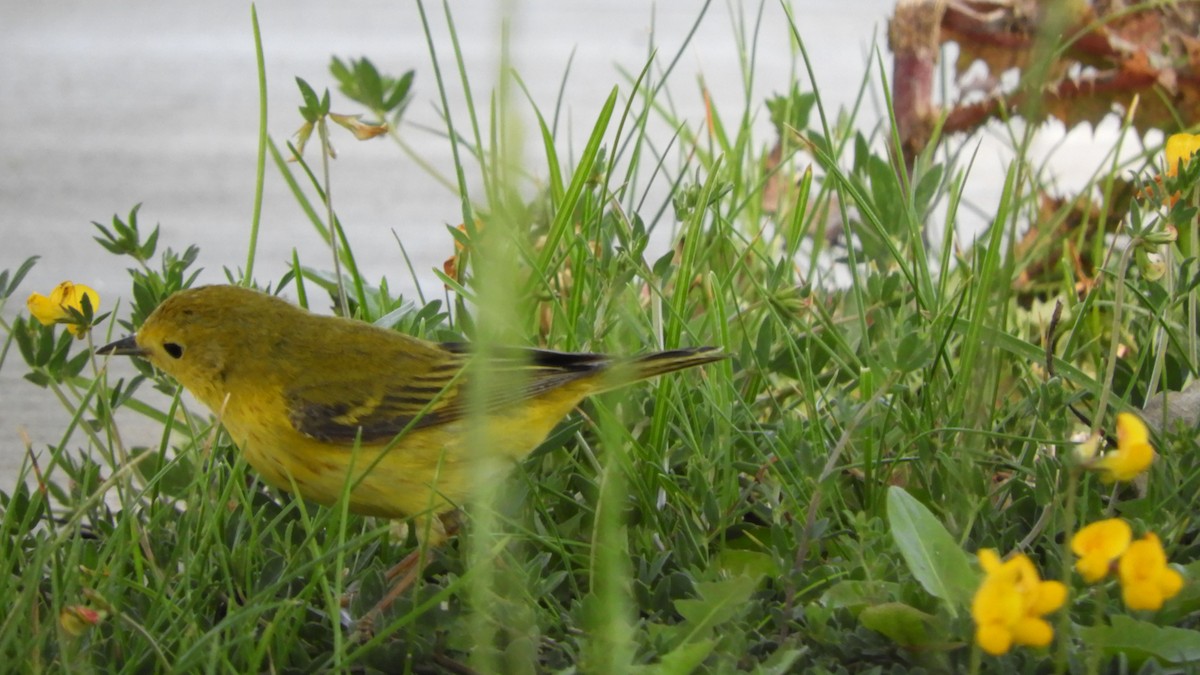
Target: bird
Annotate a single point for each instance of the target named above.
(326, 406)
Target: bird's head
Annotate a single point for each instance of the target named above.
(197, 334)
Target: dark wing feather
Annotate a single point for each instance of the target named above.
(375, 407)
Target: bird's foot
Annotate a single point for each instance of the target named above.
(404, 575)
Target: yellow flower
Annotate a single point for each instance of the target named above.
(1146, 581)
(57, 308)
(1010, 603)
(1098, 545)
(1133, 455)
(1086, 451)
(1180, 148)
(363, 131)
(77, 619)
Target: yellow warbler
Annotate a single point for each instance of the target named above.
(310, 398)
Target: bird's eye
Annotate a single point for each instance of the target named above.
(176, 351)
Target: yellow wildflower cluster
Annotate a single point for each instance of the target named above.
(1009, 606)
(1146, 580)
(1010, 603)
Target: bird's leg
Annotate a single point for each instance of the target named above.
(409, 569)
(405, 568)
(401, 576)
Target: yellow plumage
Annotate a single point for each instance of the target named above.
(306, 397)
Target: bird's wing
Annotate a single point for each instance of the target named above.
(374, 407)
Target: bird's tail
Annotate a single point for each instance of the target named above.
(652, 365)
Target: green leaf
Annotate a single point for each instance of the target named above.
(311, 110)
(856, 594)
(764, 344)
(38, 378)
(914, 352)
(718, 602)
(174, 476)
(398, 99)
(124, 237)
(75, 366)
(783, 661)
(927, 188)
(23, 332)
(791, 110)
(58, 358)
(20, 512)
(341, 73)
(147, 249)
(307, 93)
(932, 555)
(9, 286)
(885, 189)
(461, 237)
(901, 623)
(1140, 640)
(369, 83)
(685, 658)
(752, 564)
(45, 345)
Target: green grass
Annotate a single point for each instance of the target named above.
(812, 504)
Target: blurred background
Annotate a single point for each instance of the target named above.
(107, 105)
(103, 107)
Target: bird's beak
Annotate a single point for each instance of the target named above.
(126, 346)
